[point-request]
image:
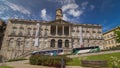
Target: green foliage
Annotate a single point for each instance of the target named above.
(117, 34)
(48, 60)
(107, 57)
(5, 67)
(115, 62)
(74, 62)
(16, 59)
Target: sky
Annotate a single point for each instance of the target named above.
(103, 12)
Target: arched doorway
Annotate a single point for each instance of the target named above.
(60, 43)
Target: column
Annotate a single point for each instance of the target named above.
(56, 30)
(62, 30)
(56, 44)
(70, 44)
(63, 43)
(69, 30)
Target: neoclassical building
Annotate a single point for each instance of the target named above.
(21, 34)
(2, 31)
(110, 38)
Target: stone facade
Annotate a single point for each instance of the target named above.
(20, 35)
(109, 39)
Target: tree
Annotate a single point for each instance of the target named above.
(117, 35)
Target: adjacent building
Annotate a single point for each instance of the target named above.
(25, 36)
(110, 38)
(2, 31)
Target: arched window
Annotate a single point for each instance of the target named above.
(34, 31)
(52, 43)
(14, 29)
(59, 43)
(21, 31)
(67, 43)
(28, 33)
(27, 44)
(11, 41)
(33, 42)
(18, 42)
(45, 34)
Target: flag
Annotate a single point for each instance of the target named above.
(37, 36)
(81, 37)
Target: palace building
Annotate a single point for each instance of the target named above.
(25, 36)
(110, 38)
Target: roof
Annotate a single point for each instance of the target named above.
(53, 22)
(111, 30)
(27, 21)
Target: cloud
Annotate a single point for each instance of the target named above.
(5, 18)
(69, 6)
(44, 15)
(74, 20)
(65, 17)
(3, 9)
(71, 9)
(92, 7)
(84, 5)
(63, 2)
(75, 13)
(16, 7)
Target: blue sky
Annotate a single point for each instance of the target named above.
(104, 12)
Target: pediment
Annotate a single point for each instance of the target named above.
(59, 22)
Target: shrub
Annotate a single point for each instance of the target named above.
(6, 67)
(48, 60)
(17, 59)
(115, 62)
(1, 58)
